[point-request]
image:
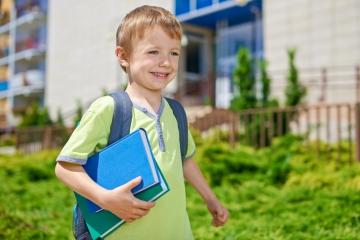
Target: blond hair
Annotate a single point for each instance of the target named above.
(136, 22)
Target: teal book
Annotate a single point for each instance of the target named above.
(121, 162)
(115, 165)
(102, 223)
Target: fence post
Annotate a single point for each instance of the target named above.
(357, 74)
(232, 129)
(323, 85)
(47, 138)
(17, 139)
(357, 130)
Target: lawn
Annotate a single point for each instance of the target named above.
(281, 192)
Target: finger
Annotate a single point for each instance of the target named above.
(129, 220)
(218, 214)
(225, 216)
(140, 213)
(221, 214)
(220, 221)
(133, 218)
(217, 223)
(132, 183)
(220, 217)
(143, 204)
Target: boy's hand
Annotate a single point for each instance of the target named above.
(219, 213)
(121, 202)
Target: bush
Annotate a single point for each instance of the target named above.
(287, 157)
(295, 91)
(286, 191)
(35, 116)
(244, 82)
(7, 140)
(33, 203)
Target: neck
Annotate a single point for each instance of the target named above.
(144, 97)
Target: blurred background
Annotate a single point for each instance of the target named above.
(271, 89)
(56, 52)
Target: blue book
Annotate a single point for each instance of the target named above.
(121, 162)
(102, 223)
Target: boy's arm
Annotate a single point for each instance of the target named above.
(119, 201)
(194, 176)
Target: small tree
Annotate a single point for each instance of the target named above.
(295, 92)
(35, 116)
(62, 133)
(244, 81)
(59, 118)
(44, 118)
(31, 116)
(265, 84)
(246, 97)
(104, 92)
(79, 113)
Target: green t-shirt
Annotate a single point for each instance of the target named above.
(168, 219)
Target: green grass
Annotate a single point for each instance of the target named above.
(33, 204)
(287, 191)
(283, 192)
(267, 212)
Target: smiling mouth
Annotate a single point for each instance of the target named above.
(160, 75)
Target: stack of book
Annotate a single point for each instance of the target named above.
(114, 166)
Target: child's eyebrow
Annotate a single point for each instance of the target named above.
(157, 47)
(151, 46)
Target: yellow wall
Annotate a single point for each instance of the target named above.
(6, 5)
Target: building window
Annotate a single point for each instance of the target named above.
(182, 7)
(193, 57)
(203, 3)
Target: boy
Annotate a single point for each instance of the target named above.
(148, 48)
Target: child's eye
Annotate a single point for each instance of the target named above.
(153, 52)
(174, 54)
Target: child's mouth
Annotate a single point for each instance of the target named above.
(160, 75)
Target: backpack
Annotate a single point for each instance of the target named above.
(120, 127)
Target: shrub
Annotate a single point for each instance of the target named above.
(35, 116)
(295, 92)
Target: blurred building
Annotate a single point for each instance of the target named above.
(82, 64)
(22, 56)
(214, 31)
(79, 63)
(326, 35)
(81, 50)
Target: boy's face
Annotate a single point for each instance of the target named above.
(154, 60)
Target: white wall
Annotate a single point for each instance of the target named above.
(326, 34)
(81, 42)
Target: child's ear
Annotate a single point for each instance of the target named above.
(122, 57)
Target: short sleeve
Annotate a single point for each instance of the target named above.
(90, 136)
(191, 146)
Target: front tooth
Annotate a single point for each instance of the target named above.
(160, 74)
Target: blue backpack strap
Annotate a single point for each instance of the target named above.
(121, 121)
(80, 230)
(120, 127)
(180, 115)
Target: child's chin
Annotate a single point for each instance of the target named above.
(159, 87)
(161, 82)
(157, 79)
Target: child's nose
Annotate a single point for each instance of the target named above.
(165, 61)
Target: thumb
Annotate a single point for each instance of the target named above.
(132, 183)
(224, 215)
(220, 212)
